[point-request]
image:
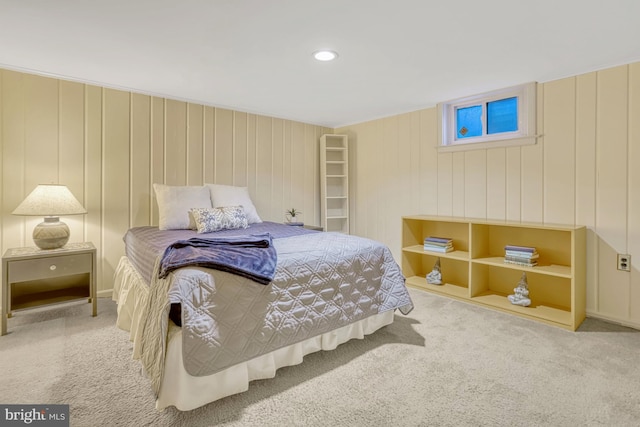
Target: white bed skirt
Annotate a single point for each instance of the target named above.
(187, 392)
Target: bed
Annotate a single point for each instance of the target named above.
(203, 333)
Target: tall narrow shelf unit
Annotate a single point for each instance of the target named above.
(334, 182)
(475, 271)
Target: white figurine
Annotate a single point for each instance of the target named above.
(521, 291)
(435, 277)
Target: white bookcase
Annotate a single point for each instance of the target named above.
(334, 182)
(475, 270)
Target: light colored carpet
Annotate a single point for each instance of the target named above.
(446, 364)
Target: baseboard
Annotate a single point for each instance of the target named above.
(105, 293)
(623, 322)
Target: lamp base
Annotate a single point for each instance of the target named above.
(51, 234)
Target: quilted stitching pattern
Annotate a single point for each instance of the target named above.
(323, 281)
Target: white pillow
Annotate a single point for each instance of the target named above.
(229, 195)
(174, 203)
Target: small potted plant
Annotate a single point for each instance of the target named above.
(293, 215)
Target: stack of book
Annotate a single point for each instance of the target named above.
(438, 244)
(521, 255)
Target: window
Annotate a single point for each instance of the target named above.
(494, 119)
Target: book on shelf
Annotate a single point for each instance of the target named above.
(442, 249)
(434, 239)
(519, 248)
(521, 263)
(438, 244)
(520, 259)
(438, 241)
(524, 255)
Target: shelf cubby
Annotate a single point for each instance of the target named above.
(455, 278)
(414, 231)
(491, 284)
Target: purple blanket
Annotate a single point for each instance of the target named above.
(253, 256)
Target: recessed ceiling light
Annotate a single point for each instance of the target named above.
(325, 55)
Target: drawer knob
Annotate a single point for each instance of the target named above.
(52, 267)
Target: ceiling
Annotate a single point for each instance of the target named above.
(256, 55)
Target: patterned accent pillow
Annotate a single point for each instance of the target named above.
(209, 220)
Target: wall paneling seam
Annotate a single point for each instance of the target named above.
(215, 145)
(203, 151)
(575, 148)
(151, 168)
(628, 192)
(542, 177)
(626, 245)
(59, 95)
(130, 160)
(102, 172)
(246, 144)
(85, 143)
(233, 148)
(595, 205)
(187, 143)
(272, 158)
(2, 73)
(151, 158)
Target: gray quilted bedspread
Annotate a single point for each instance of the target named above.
(323, 281)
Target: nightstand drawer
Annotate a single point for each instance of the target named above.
(43, 268)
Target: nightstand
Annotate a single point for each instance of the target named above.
(32, 277)
(303, 225)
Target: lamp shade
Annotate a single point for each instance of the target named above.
(50, 200)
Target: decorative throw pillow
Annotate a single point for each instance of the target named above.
(229, 195)
(209, 220)
(174, 203)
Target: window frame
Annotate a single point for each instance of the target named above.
(526, 133)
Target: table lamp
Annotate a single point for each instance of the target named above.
(50, 201)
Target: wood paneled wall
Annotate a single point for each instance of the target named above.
(109, 146)
(582, 171)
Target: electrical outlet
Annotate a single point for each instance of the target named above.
(624, 262)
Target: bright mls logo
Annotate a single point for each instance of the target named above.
(34, 415)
